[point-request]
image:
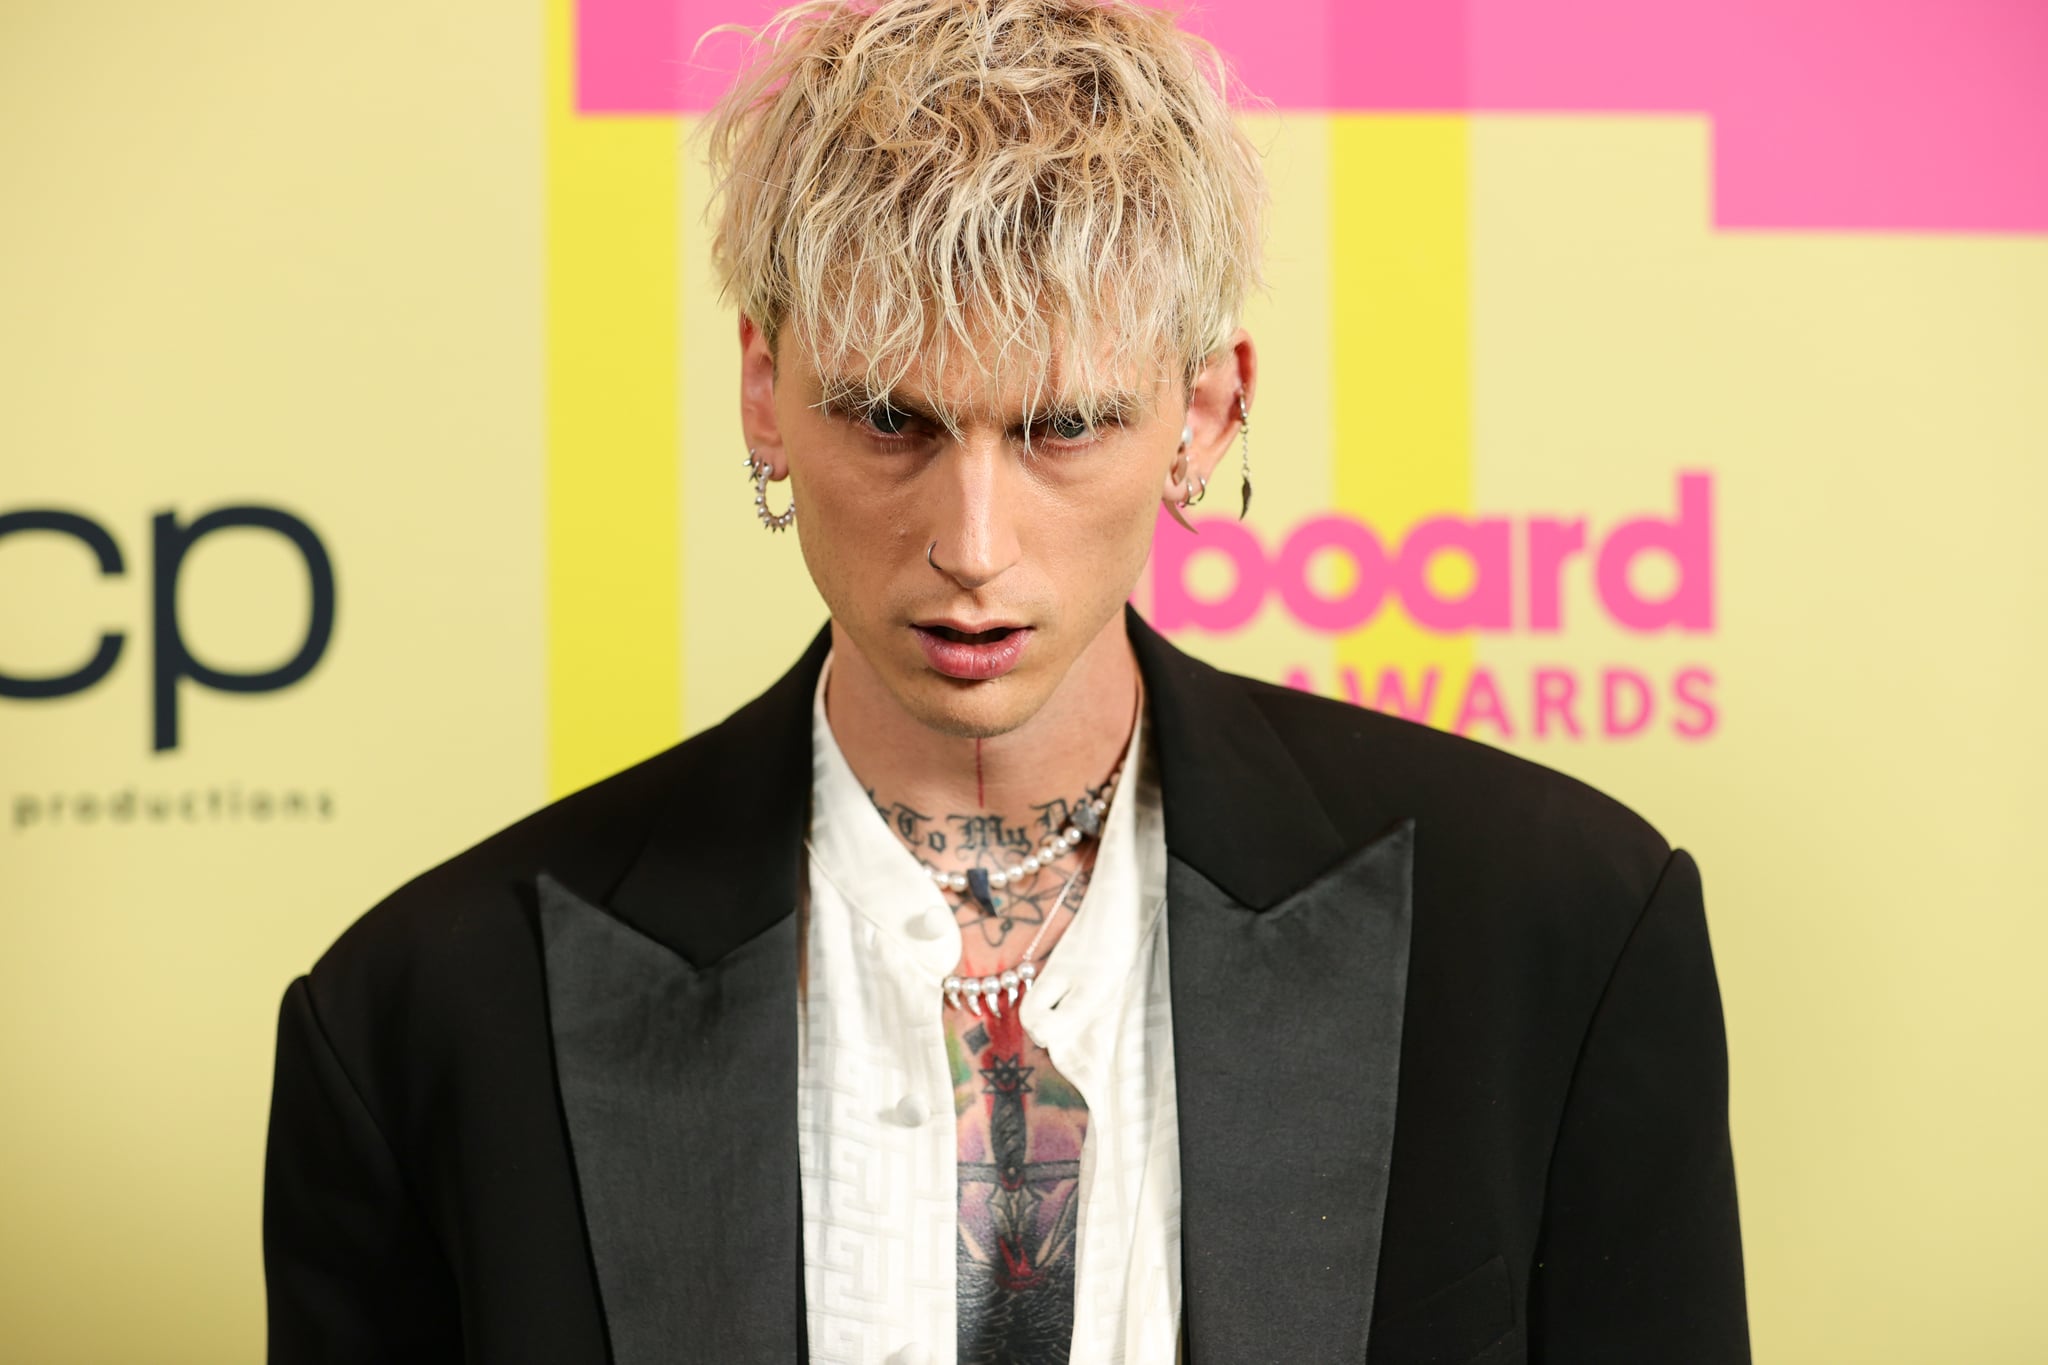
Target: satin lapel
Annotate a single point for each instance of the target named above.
(1287, 1045)
(679, 1090)
(1289, 966)
(672, 998)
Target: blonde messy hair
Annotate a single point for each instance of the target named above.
(1061, 178)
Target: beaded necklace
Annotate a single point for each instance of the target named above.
(1085, 820)
(1015, 981)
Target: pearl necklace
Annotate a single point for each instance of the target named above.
(1017, 981)
(1086, 822)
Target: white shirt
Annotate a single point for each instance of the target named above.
(876, 1129)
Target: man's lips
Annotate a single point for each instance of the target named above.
(973, 651)
(986, 632)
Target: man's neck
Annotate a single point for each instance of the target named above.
(1066, 749)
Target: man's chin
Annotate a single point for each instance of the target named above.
(969, 710)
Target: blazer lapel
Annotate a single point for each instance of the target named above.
(683, 1123)
(1289, 963)
(672, 998)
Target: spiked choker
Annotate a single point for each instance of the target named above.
(1012, 983)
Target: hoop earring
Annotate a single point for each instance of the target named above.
(774, 521)
(1244, 427)
(1182, 474)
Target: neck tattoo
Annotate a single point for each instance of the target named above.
(1084, 821)
(1015, 981)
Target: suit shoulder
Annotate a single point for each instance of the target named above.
(470, 916)
(1470, 799)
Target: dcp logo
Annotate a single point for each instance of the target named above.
(171, 661)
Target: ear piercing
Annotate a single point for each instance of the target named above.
(1183, 473)
(774, 521)
(1244, 427)
(1199, 486)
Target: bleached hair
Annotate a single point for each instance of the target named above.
(1056, 189)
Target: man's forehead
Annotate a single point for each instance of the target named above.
(979, 373)
(971, 387)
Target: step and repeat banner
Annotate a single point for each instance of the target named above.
(1656, 390)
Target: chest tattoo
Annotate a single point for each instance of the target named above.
(1020, 1126)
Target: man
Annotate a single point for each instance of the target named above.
(1003, 984)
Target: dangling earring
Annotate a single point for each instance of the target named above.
(758, 470)
(1244, 426)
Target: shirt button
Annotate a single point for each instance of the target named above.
(933, 923)
(913, 1354)
(911, 1111)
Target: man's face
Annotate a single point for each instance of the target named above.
(1037, 547)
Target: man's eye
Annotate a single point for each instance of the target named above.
(1069, 426)
(887, 420)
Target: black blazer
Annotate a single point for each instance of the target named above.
(1451, 1070)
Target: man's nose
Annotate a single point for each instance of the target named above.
(977, 512)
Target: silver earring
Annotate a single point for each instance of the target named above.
(1181, 473)
(758, 470)
(1184, 472)
(1244, 427)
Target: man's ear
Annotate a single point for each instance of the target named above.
(1212, 407)
(757, 398)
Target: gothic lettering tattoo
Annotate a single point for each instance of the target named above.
(963, 840)
(988, 834)
(913, 827)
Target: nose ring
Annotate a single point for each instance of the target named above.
(928, 555)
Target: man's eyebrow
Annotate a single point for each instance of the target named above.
(846, 393)
(1115, 405)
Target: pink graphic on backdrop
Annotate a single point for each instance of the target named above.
(1377, 570)
(1912, 115)
(1916, 115)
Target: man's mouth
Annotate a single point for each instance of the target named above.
(971, 637)
(971, 655)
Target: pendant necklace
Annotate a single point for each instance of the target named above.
(1014, 982)
(1085, 821)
